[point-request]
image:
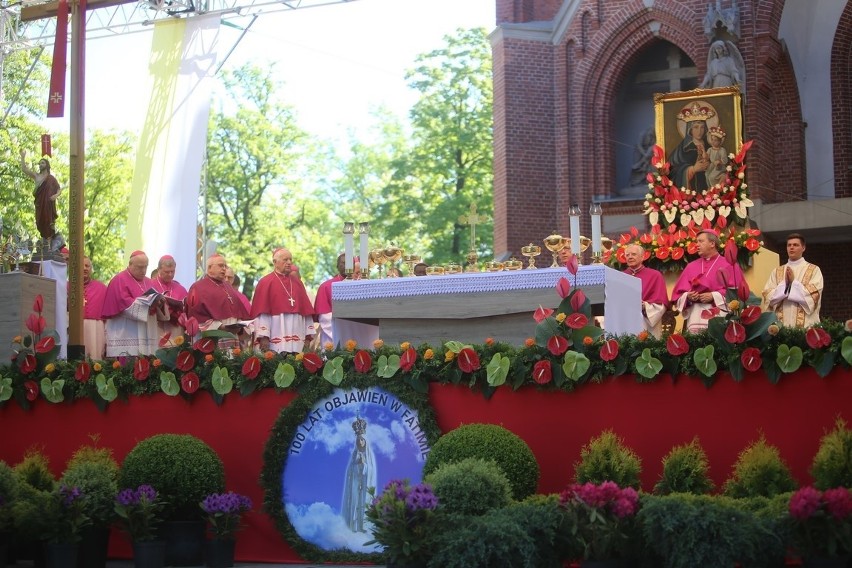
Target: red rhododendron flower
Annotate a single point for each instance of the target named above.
(31, 388)
(576, 321)
(750, 359)
(750, 314)
(609, 350)
(38, 303)
(28, 364)
(468, 360)
(189, 383)
(312, 362)
(205, 345)
(542, 372)
(817, 337)
(251, 368)
(563, 287)
(735, 332)
(557, 345)
(363, 361)
(676, 345)
(35, 323)
(185, 361)
(45, 345)
(141, 368)
(542, 314)
(83, 372)
(164, 340)
(752, 244)
(677, 253)
(577, 300)
(407, 359)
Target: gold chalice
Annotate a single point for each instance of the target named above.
(410, 260)
(453, 268)
(377, 259)
(513, 264)
(435, 270)
(392, 254)
(493, 266)
(584, 243)
(554, 244)
(606, 247)
(531, 251)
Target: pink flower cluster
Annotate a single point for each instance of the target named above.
(608, 496)
(807, 501)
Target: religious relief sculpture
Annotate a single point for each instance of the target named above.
(44, 196)
(722, 19)
(725, 66)
(642, 153)
(360, 477)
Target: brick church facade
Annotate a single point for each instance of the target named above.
(573, 93)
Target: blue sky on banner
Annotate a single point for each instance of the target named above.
(338, 62)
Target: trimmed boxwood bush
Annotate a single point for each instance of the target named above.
(98, 481)
(759, 472)
(489, 442)
(606, 458)
(470, 487)
(832, 465)
(182, 468)
(8, 493)
(686, 469)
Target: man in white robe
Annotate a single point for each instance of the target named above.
(794, 289)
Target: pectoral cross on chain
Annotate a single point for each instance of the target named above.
(472, 219)
(292, 302)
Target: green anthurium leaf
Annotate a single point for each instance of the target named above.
(547, 328)
(221, 380)
(498, 370)
(386, 367)
(759, 327)
(789, 358)
(285, 374)
(52, 390)
(578, 335)
(716, 330)
(218, 333)
(106, 388)
(5, 388)
(823, 362)
(647, 365)
(333, 370)
(454, 346)
(735, 367)
(168, 383)
(575, 365)
(846, 349)
(704, 361)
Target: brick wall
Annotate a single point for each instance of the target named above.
(841, 92)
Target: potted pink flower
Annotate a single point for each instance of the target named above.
(822, 525)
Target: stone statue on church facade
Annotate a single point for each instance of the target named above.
(725, 66)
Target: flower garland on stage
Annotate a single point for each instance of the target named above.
(677, 215)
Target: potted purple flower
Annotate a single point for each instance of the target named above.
(822, 525)
(139, 511)
(224, 515)
(67, 519)
(401, 518)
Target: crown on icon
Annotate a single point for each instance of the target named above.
(716, 131)
(695, 111)
(360, 426)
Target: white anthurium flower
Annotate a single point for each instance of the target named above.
(670, 215)
(685, 219)
(698, 216)
(724, 210)
(653, 217)
(709, 213)
(741, 208)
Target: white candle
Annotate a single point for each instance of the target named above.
(365, 250)
(596, 211)
(348, 246)
(574, 214)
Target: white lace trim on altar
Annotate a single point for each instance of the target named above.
(590, 275)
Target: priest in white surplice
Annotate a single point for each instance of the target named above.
(794, 290)
(131, 315)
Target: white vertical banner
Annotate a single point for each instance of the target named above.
(164, 199)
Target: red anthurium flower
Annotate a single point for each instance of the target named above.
(572, 264)
(672, 229)
(634, 231)
(468, 360)
(185, 361)
(205, 345)
(576, 321)
(164, 340)
(721, 221)
(577, 300)
(677, 252)
(710, 313)
(363, 361)
(312, 362)
(619, 254)
(557, 345)
(692, 247)
(45, 345)
(189, 383)
(743, 291)
(659, 155)
(735, 332)
(542, 314)
(38, 303)
(251, 368)
(742, 153)
(83, 372)
(28, 364)
(35, 323)
(609, 350)
(646, 238)
(662, 253)
(752, 244)
(817, 337)
(676, 345)
(731, 251)
(407, 359)
(750, 314)
(191, 326)
(141, 367)
(750, 359)
(542, 373)
(563, 287)
(31, 388)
